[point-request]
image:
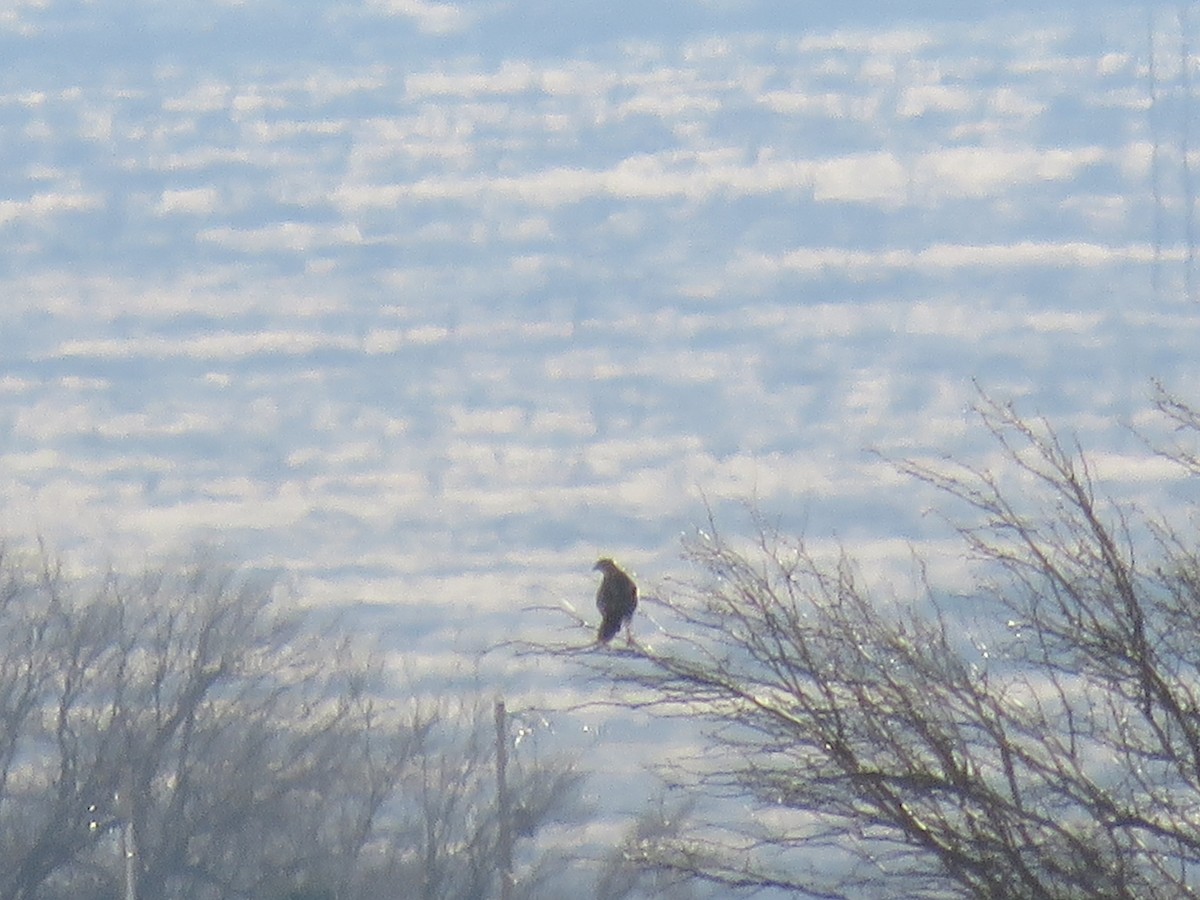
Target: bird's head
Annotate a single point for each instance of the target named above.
(604, 565)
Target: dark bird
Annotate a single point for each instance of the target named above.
(616, 599)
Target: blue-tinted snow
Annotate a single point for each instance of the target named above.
(426, 305)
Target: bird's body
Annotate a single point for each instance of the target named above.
(616, 599)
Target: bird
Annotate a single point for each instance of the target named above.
(616, 599)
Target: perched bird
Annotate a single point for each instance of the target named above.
(616, 599)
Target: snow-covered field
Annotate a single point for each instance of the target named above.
(426, 305)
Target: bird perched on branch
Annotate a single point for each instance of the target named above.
(616, 599)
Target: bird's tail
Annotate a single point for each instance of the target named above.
(608, 630)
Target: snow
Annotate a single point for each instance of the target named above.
(428, 305)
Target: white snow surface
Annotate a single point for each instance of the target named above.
(427, 305)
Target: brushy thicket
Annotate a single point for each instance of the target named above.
(184, 734)
(1039, 738)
